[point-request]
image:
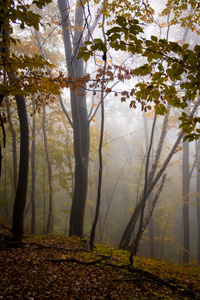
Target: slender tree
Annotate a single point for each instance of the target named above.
(50, 176)
(33, 173)
(126, 237)
(150, 200)
(92, 235)
(185, 195)
(198, 198)
(14, 143)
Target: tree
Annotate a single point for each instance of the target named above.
(50, 177)
(185, 194)
(20, 197)
(198, 198)
(80, 119)
(92, 235)
(33, 172)
(14, 146)
(21, 13)
(173, 76)
(150, 200)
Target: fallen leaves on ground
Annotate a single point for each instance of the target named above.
(59, 267)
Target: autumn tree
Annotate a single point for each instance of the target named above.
(73, 40)
(22, 14)
(172, 71)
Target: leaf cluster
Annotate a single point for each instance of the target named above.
(184, 12)
(17, 12)
(170, 74)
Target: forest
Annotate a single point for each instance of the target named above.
(100, 148)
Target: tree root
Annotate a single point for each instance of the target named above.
(142, 276)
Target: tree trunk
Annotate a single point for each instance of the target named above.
(21, 191)
(79, 115)
(14, 143)
(92, 235)
(185, 195)
(33, 174)
(150, 200)
(50, 177)
(151, 231)
(198, 199)
(126, 237)
(20, 198)
(44, 194)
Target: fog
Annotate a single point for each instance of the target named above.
(127, 134)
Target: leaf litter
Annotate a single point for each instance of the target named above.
(60, 267)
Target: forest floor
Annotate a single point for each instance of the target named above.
(58, 267)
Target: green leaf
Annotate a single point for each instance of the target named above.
(121, 21)
(160, 109)
(154, 38)
(88, 43)
(98, 41)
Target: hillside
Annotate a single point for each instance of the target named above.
(58, 267)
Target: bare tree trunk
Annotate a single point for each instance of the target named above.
(151, 231)
(92, 235)
(186, 187)
(20, 198)
(185, 195)
(150, 200)
(33, 174)
(14, 144)
(44, 196)
(198, 199)
(126, 237)
(50, 177)
(79, 116)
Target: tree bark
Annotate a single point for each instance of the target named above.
(150, 200)
(198, 199)
(14, 144)
(79, 115)
(92, 235)
(185, 195)
(33, 174)
(20, 198)
(50, 176)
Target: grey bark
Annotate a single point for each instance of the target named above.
(185, 195)
(92, 235)
(198, 199)
(50, 176)
(33, 173)
(79, 116)
(150, 200)
(14, 143)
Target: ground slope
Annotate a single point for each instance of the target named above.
(58, 267)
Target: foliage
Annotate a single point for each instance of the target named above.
(27, 73)
(37, 268)
(190, 17)
(170, 73)
(20, 13)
